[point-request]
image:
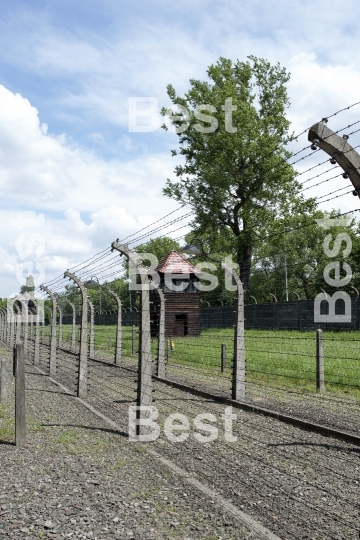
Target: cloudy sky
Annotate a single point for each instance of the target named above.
(71, 173)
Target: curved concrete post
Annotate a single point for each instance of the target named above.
(50, 313)
(11, 320)
(238, 375)
(39, 317)
(274, 297)
(118, 345)
(161, 368)
(73, 328)
(18, 324)
(296, 294)
(60, 326)
(144, 390)
(83, 353)
(92, 336)
(3, 325)
(253, 297)
(340, 151)
(52, 362)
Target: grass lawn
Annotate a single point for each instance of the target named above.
(279, 357)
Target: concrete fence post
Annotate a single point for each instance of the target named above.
(238, 375)
(92, 331)
(118, 346)
(133, 340)
(18, 326)
(320, 377)
(223, 357)
(20, 410)
(73, 327)
(52, 363)
(83, 352)
(11, 326)
(3, 381)
(39, 317)
(26, 329)
(161, 368)
(60, 327)
(145, 386)
(1, 325)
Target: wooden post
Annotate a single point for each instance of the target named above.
(3, 376)
(133, 341)
(223, 357)
(168, 350)
(20, 414)
(320, 378)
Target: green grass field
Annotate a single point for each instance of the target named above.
(281, 358)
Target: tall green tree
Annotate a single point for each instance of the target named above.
(296, 247)
(233, 170)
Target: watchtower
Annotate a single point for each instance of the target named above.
(178, 279)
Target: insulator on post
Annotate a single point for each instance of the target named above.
(345, 137)
(347, 173)
(325, 120)
(314, 144)
(356, 192)
(333, 161)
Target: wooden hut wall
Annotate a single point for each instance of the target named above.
(177, 304)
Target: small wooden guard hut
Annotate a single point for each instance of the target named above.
(182, 306)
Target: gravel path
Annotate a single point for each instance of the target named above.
(298, 484)
(77, 478)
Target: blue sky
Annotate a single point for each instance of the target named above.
(67, 70)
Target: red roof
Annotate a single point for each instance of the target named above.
(175, 263)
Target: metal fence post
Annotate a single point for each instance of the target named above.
(238, 375)
(223, 357)
(3, 377)
(20, 413)
(52, 363)
(320, 377)
(161, 369)
(118, 346)
(83, 352)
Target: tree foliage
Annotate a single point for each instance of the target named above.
(238, 182)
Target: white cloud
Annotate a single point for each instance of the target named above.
(41, 172)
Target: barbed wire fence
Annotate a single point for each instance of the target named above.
(227, 362)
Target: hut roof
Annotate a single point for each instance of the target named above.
(175, 263)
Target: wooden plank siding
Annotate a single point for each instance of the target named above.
(180, 304)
